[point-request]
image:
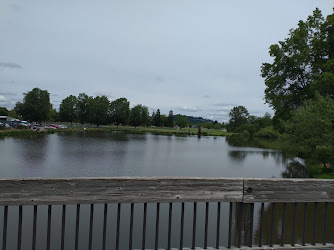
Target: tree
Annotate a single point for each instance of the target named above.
(145, 116)
(53, 115)
(164, 121)
(12, 113)
(170, 119)
(99, 106)
(182, 121)
(300, 61)
(120, 111)
(311, 130)
(36, 105)
(156, 118)
(139, 115)
(83, 108)
(3, 111)
(68, 110)
(238, 117)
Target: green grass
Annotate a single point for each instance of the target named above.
(24, 132)
(153, 130)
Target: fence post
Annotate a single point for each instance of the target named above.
(242, 224)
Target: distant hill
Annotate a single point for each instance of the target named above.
(196, 120)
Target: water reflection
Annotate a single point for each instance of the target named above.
(238, 155)
(243, 147)
(288, 222)
(295, 169)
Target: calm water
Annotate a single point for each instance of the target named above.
(122, 154)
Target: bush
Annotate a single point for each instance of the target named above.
(267, 132)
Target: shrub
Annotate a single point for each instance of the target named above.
(267, 132)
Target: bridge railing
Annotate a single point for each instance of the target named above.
(192, 204)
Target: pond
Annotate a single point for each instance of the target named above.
(102, 154)
(124, 154)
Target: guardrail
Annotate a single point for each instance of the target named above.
(237, 195)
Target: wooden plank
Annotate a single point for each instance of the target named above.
(37, 191)
(288, 190)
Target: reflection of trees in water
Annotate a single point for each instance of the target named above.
(100, 135)
(238, 155)
(295, 169)
(288, 228)
(33, 149)
(254, 142)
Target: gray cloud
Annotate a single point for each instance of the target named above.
(3, 98)
(224, 105)
(10, 65)
(206, 96)
(101, 93)
(223, 110)
(189, 109)
(8, 94)
(14, 6)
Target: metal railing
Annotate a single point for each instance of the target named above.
(155, 213)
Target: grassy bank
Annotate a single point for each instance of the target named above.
(24, 132)
(155, 130)
(129, 129)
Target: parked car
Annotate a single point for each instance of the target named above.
(62, 126)
(49, 127)
(24, 123)
(54, 126)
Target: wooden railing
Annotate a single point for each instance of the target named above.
(240, 196)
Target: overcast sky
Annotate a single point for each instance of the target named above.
(196, 57)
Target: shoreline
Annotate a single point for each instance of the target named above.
(160, 131)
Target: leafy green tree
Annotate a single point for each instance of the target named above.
(99, 106)
(303, 64)
(170, 119)
(3, 111)
(12, 113)
(53, 115)
(36, 105)
(145, 116)
(182, 121)
(135, 118)
(120, 111)
(164, 121)
(311, 130)
(208, 125)
(68, 111)
(139, 115)
(83, 108)
(217, 125)
(238, 117)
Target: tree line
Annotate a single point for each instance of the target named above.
(85, 109)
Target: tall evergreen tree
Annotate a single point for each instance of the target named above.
(170, 119)
(157, 119)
